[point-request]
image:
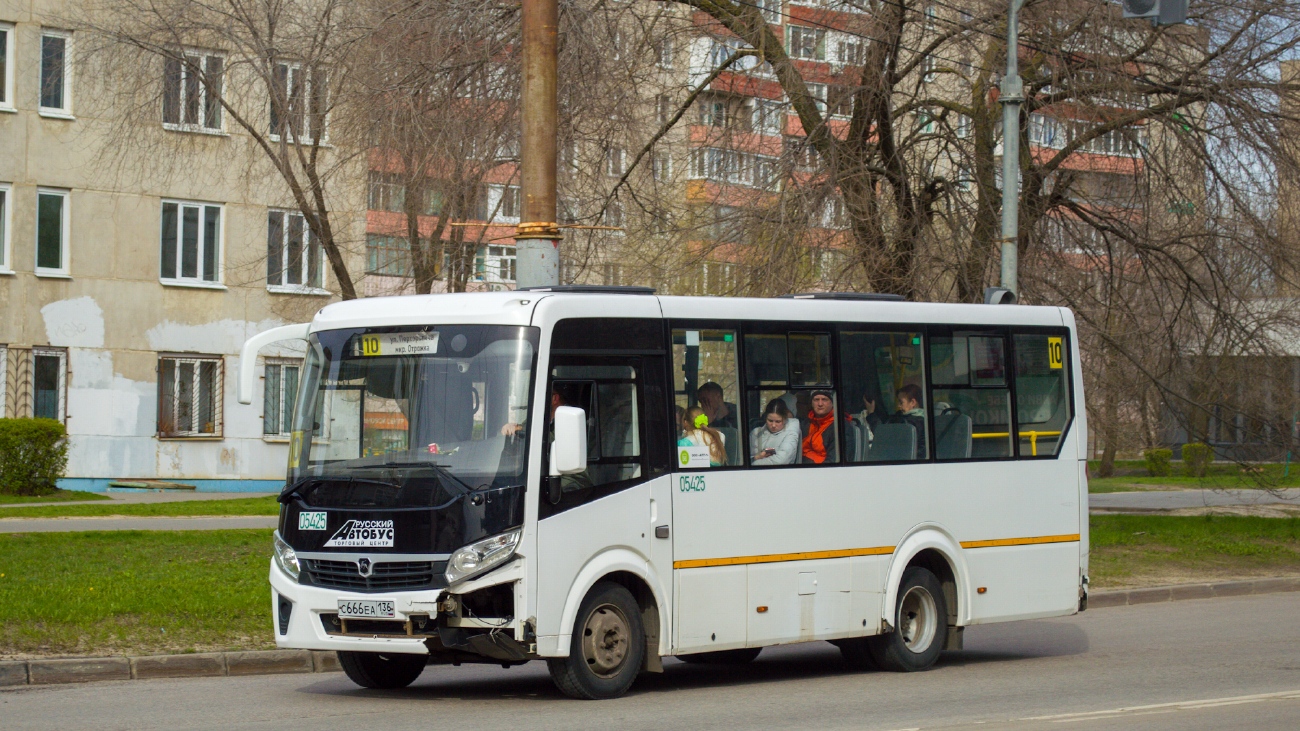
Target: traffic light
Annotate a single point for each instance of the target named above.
(1161, 12)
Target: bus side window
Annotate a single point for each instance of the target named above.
(705, 377)
(1042, 391)
(970, 389)
(791, 373)
(884, 397)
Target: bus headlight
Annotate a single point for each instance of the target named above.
(482, 555)
(286, 557)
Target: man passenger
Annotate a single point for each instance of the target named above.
(720, 413)
(819, 445)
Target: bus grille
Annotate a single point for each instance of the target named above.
(384, 576)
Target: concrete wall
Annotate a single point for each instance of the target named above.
(112, 314)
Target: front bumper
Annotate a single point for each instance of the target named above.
(305, 631)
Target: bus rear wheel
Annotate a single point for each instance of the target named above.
(608, 646)
(723, 657)
(920, 625)
(381, 670)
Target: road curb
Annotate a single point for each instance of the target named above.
(1180, 592)
(192, 665)
(208, 664)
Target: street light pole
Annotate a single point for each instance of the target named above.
(1012, 96)
(537, 237)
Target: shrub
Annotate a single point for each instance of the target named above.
(33, 454)
(1197, 458)
(1158, 462)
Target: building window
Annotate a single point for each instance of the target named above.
(664, 52)
(191, 243)
(615, 160)
(52, 219)
(499, 265)
(295, 260)
(49, 383)
(499, 204)
(612, 215)
(818, 93)
(808, 43)
(663, 165)
(299, 103)
(851, 51)
(189, 396)
(768, 117)
(715, 111)
(6, 66)
(55, 92)
(612, 274)
(192, 92)
(387, 192)
(771, 10)
(664, 108)
(6, 208)
(388, 255)
(279, 390)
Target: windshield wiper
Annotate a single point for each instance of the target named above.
(439, 468)
(291, 490)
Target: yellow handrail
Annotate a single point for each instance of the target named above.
(1033, 437)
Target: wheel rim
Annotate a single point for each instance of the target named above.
(605, 639)
(918, 619)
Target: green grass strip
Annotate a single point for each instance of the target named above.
(266, 505)
(134, 592)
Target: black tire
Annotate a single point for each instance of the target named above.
(381, 670)
(608, 646)
(920, 630)
(856, 653)
(742, 656)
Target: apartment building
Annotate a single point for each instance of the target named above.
(142, 240)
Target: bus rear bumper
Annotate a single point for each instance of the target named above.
(310, 608)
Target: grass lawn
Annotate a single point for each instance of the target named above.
(57, 497)
(134, 592)
(1148, 550)
(266, 505)
(1132, 475)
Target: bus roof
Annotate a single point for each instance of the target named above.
(518, 308)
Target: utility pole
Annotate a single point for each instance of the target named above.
(1011, 97)
(537, 237)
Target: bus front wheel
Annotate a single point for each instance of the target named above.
(920, 625)
(608, 646)
(386, 671)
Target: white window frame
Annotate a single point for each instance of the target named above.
(819, 48)
(65, 111)
(200, 127)
(7, 78)
(218, 395)
(198, 281)
(62, 355)
(285, 431)
(664, 51)
(65, 246)
(615, 162)
(308, 241)
(662, 165)
(500, 264)
(6, 230)
(304, 136)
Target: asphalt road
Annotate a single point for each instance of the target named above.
(1216, 660)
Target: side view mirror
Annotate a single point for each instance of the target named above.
(569, 450)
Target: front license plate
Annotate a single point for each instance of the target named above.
(366, 609)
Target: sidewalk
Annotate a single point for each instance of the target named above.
(137, 498)
(1161, 500)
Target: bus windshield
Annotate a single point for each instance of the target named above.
(408, 417)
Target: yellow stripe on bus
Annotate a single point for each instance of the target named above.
(699, 563)
(1031, 541)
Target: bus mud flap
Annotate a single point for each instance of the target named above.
(955, 638)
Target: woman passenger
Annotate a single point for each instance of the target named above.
(696, 432)
(777, 440)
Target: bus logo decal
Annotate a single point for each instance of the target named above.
(363, 534)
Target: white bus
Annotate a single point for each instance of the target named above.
(600, 477)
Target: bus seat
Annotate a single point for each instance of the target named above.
(854, 438)
(952, 436)
(893, 442)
